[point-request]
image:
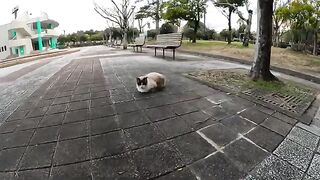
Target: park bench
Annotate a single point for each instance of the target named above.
(117, 43)
(138, 42)
(167, 41)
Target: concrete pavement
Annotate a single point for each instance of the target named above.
(80, 117)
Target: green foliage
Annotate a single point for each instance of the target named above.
(203, 32)
(97, 37)
(152, 33)
(188, 10)
(84, 37)
(168, 28)
(233, 3)
(150, 10)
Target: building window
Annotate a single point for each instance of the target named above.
(5, 48)
(2, 48)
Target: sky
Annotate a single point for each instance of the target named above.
(74, 15)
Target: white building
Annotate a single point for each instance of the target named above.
(26, 35)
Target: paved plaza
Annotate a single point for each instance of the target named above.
(80, 117)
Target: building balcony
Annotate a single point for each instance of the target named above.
(46, 33)
(18, 42)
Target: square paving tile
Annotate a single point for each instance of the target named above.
(29, 123)
(121, 98)
(244, 154)
(16, 139)
(78, 115)
(275, 168)
(160, 113)
(100, 102)
(44, 135)
(36, 112)
(219, 134)
(304, 138)
(79, 105)
(60, 108)
(52, 120)
(285, 118)
(101, 94)
(184, 108)
(135, 118)
(104, 125)
(314, 169)
(193, 147)
(102, 111)
(149, 165)
(74, 130)
(64, 94)
(238, 124)
(277, 126)
(80, 97)
(265, 138)
(217, 112)
(125, 107)
(9, 126)
(36, 174)
(10, 158)
(115, 167)
(62, 100)
(65, 153)
(197, 120)
(217, 166)
(180, 174)
(143, 136)
(38, 156)
(19, 114)
(174, 127)
(78, 171)
(109, 144)
(294, 154)
(254, 115)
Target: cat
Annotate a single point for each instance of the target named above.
(151, 82)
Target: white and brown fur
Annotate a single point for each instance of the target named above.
(151, 82)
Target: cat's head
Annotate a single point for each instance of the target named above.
(142, 82)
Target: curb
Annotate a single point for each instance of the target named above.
(241, 61)
(21, 60)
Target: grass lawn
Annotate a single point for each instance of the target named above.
(284, 58)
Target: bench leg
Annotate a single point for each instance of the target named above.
(155, 51)
(141, 48)
(174, 54)
(163, 53)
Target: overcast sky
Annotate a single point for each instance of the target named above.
(74, 15)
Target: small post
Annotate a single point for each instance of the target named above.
(155, 51)
(174, 54)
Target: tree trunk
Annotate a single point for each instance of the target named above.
(248, 30)
(125, 39)
(229, 25)
(315, 42)
(157, 18)
(261, 64)
(195, 30)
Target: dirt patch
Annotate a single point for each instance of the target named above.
(285, 96)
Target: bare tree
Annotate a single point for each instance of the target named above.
(119, 14)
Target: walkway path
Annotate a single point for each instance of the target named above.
(81, 118)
